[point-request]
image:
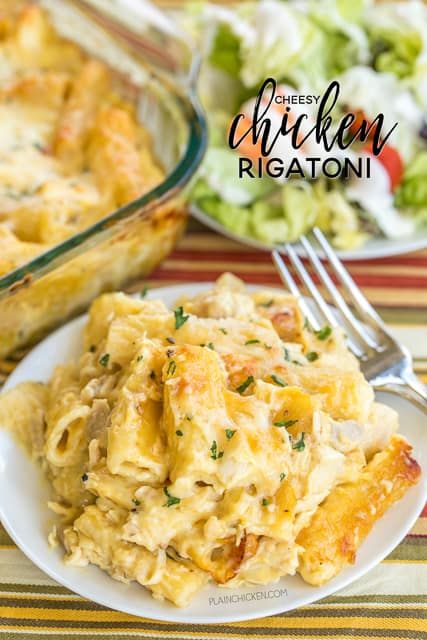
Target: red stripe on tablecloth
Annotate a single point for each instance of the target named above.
(264, 257)
(386, 282)
(165, 273)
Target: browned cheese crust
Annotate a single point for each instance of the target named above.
(345, 518)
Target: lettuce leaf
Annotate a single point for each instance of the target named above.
(304, 43)
(310, 203)
(281, 34)
(413, 190)
(225, 52)
(268, 224)
(398, 36)
(233, 217)
(220, 172)
(300, 207)
(262, 220)
(275, 220)
(344, 42)
(396, 52)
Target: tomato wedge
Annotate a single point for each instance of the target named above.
(389, 157)
(392, 162)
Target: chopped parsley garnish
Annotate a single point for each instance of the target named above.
(140, 357)
(215, 454)
(307, 325)
(171, 500)
(38, 146)
(169, 352)
(312, 356)
(171, 368)
(104, 360)
(13, 194)
(144, 292)
(285, 423)
(170, 340)
(153, 375)
(323, 333)
(265, 502)
(224, 331)
(286, 354)
(300, 445)
(278, 380)
(254, 341)
(210, 346)
(179, 433)
(92, 348)
(266, 304)
(242, 388)
(282, 476)
(230, 433)
(180, 317)
(188, 417)
(136, 502)
(85, 477)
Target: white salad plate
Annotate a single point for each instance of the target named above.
(373, 249)
(24, 513)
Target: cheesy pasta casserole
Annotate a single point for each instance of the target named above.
(71, 148)
(224, 440)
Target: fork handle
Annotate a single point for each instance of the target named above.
(410, 388)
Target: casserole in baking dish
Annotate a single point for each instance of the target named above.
(80, 140)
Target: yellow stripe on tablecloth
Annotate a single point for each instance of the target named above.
(57, 634)
(420, 527)
(289, 621)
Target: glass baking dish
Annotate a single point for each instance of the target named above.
(131, 241)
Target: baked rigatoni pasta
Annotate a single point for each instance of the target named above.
(79, 109)
(223, 440)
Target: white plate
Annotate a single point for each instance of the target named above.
(374, 248)
(24, 514)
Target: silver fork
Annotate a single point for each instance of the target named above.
(384, 362)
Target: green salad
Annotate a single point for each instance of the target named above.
(378, 54)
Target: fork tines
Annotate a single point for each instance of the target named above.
(365, 330)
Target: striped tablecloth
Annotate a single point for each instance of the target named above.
(389, 602)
